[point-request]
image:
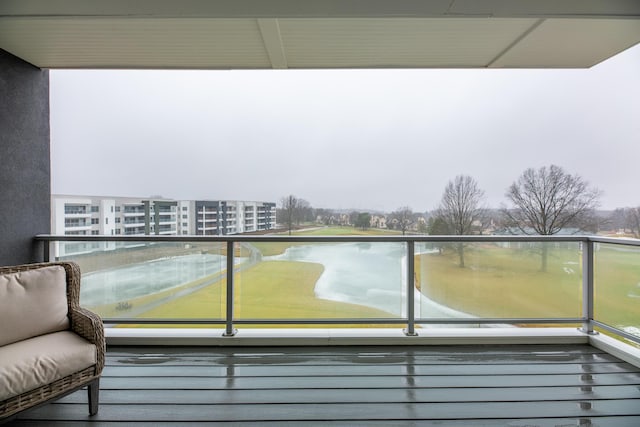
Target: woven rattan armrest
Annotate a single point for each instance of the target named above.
(89, 326)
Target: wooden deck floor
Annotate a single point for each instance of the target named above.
(356, 386)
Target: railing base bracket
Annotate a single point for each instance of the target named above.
(232, 334)
(588, 332)
(410, 334)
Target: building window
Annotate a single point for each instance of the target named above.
(95, 209)
(185, 216)
(106, 220)
(94, 221)
(117, 208)
(94, 232)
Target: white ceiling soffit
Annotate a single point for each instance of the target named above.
(302, 34)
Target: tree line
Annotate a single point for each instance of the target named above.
(542, 201)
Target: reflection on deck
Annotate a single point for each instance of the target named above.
(533, 385)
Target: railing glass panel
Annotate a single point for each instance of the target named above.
(150, 280)
(617, 286)
(499, 280)
(316, 281)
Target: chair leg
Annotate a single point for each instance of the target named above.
(94, 396)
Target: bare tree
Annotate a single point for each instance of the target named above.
(289, 208)
(402, 219)
(460, 208)
(633, 221)
(549, 199)
(303, 212)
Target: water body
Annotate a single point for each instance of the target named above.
(371, 274)
(125, 283)
(359, 273)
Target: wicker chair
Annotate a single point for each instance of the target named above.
(83, 323)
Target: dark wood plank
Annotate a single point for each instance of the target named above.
(362, 369)
(212, 383)
(626, 421)
(345, 412)
(520, 394)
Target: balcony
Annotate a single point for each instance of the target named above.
(557, 347)
(444, 367)
(512, 282)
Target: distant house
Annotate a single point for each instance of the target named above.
(378, 221)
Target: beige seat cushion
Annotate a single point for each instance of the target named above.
(32, 303)
(29, 364)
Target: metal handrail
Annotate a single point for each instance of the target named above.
(588, 297)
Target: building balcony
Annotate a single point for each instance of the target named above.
(74, 215)
(77, 227)
(133, 223)
(207, 218)
(368, 330)
(200, 228)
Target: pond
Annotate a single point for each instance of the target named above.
(135, 280)
(369, 274)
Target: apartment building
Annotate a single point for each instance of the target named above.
(230, 217)
(128, 216)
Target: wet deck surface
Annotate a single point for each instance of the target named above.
(356, 386)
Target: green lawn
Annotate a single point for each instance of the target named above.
(345, 231)
(617, 286)
(269, 290)
(500, 282)
(277, 248)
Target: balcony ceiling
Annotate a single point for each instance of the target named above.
(309, 34)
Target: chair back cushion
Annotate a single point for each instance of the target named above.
(32, 303)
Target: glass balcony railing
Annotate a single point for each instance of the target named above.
(382, 281)
(616, 277)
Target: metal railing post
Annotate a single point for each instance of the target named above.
(411, 316)
(229, 329)
(587, 287)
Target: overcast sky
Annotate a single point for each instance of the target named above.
(363, 139)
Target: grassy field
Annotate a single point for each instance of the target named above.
(617, 285)
(345, 231)
(500, 282)
(277, 248)
(272, 289)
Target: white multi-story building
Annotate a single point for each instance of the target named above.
(110, 216)
(128, 216)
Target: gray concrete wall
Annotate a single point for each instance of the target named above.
(25, 175)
